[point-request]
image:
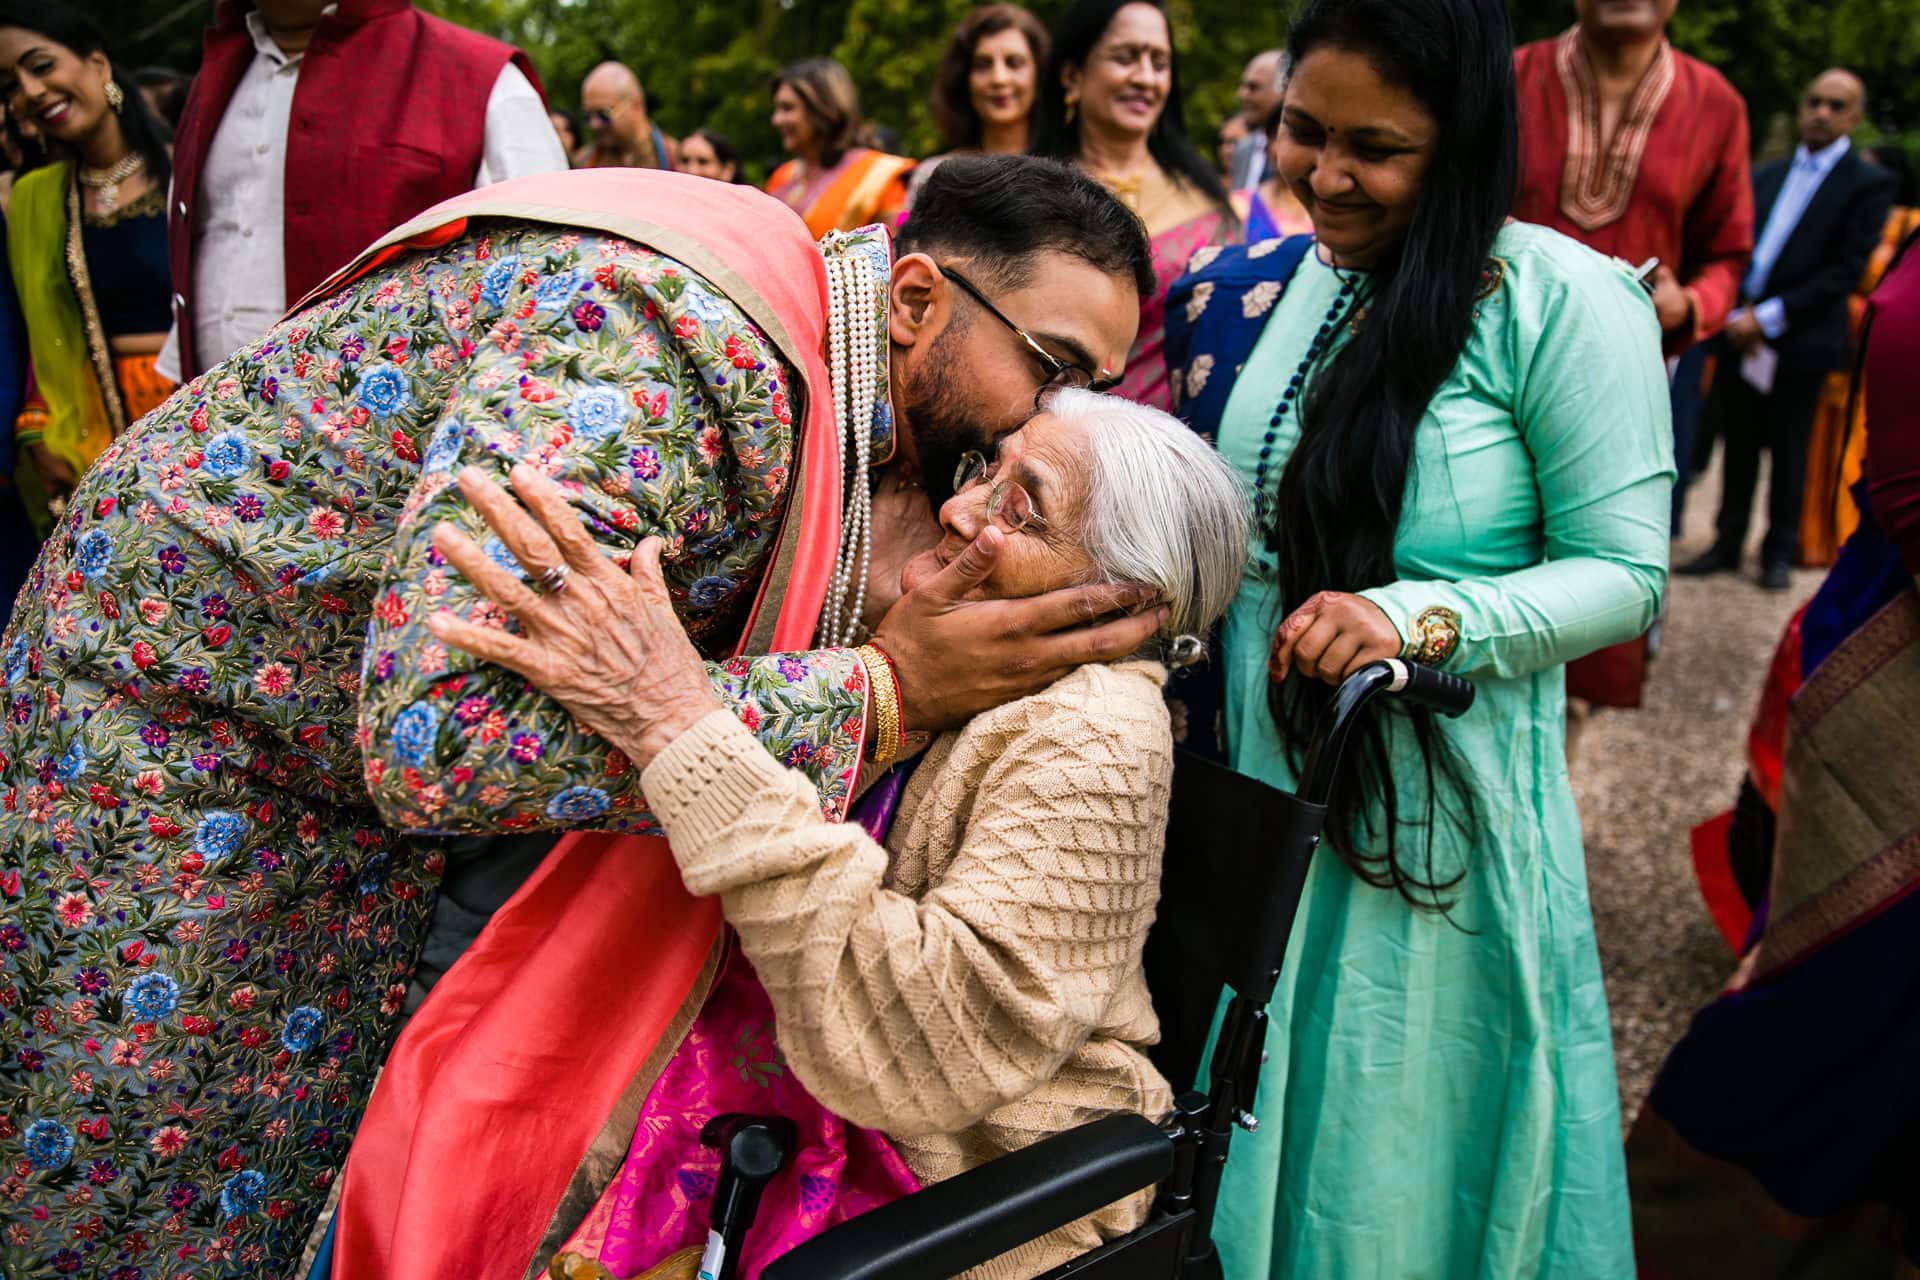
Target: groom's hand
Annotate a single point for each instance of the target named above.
(958, 657)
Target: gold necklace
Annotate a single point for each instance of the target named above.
(1126, 190)
(107, 181)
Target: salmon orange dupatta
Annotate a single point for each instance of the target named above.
(511, 1096)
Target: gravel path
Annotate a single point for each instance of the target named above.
(1645, 778)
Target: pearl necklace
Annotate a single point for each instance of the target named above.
(854, 361)
(107, 181)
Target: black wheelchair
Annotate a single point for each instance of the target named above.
(1237, 853)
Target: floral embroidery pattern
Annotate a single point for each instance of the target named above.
(219, 679)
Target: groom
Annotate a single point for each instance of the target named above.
(225, 714)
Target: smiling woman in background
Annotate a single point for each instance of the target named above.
(94, 288)
(1455, 430)
(1110, 102)
(984, 91)
(833, 181)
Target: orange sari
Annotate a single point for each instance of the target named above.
(864, 188)
(1837, 448)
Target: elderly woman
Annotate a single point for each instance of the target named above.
(962, 975)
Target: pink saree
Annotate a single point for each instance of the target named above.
(1145, 378)
(662, 1200)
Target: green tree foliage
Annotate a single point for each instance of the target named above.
(711, 63)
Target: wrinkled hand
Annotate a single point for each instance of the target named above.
(1744, 332)
(1671, 303)
(957, 657)
(1332, 636)
(607, 646)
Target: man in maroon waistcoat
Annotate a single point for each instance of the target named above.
(310, 131)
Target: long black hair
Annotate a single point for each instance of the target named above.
(1079, 29)
(145, 132)
(1340, 495)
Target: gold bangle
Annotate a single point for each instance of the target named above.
(1436, 633)
(887, 735)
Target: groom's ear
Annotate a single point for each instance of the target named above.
(918, 302)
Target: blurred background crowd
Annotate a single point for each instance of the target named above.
(175, 178)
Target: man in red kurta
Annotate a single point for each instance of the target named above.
(1638, 151)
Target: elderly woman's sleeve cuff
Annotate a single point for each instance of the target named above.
(715, 781)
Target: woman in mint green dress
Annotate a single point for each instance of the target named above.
(1456, 431)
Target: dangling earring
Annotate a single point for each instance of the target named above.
(115, 98)
(1073, 106)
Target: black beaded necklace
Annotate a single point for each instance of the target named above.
(1329, 326)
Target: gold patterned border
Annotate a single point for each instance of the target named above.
(1864, 653)
(98, 353)
(1597, 180)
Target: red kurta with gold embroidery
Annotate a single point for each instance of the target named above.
(1674, 184)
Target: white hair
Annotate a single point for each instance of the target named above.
(1163, 509)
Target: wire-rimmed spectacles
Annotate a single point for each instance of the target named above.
(1008, 504)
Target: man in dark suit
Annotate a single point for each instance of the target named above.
(1821, 214)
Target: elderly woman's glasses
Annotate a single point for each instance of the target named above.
(1008, 505)
(1059, 372)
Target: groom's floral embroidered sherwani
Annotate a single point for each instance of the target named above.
(206, 924)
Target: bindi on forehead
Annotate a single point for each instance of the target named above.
(1365, 131)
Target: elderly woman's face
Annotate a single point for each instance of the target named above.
(1354, 147)
(1041, 468)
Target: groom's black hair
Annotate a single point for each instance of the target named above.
(998, 211)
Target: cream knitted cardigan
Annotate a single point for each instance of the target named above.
(975, 985)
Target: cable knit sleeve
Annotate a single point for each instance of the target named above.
(920, 1015)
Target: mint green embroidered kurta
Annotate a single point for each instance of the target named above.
(1440, 1099)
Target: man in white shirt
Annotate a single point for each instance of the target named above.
(279, 180)
(1820, 215)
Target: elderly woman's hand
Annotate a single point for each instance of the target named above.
(603, 643)
(1332, 636)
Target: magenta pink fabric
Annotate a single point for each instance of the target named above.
(662, 1199)
(1893, 408)
(1145, 378)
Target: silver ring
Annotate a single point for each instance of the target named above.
(554, 580)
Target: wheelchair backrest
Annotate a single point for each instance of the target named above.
(1227, 901)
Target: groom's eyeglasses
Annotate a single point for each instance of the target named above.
(1059, 372)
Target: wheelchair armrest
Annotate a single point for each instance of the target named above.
(964, 1221)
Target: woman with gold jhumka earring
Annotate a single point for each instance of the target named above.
(1110, 102)
(87, 241)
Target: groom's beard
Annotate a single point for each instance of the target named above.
(938, 414)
